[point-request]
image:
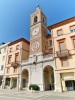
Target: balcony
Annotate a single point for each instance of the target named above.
(63, 53)
(14, 64)
(47, 56)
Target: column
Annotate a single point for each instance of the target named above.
(63, 85)
(43, 85)
(19, 82)
(57, 82)
(29, 76)
(19, 79)
(41, 77)
(4, 82)
(11, 83)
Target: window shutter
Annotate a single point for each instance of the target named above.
(62, 47)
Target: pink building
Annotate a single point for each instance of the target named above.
(17, 51)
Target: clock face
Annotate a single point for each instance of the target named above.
(35, 31)
(35, 46)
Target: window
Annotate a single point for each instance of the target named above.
(4, 49)
(60, 32)
(62, 46)
(9, 59)
(44, 32)
(51, 51)
(74, 42)
(10, 50)
(35, 19)
(7, 82)
(0, 51)
(15, 70)
(8, 69)
(17, 47)
(45, 47)
(64, 62)
(44, 19)
(3, 58)
(16, 57)
(50, 43)
(72, 28)
(2, 67)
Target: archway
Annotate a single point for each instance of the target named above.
(25, 78)
(48, 78)
(35, 19)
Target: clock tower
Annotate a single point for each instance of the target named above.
(38, 32)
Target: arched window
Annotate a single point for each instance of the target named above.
(43, 19)
(35, 19)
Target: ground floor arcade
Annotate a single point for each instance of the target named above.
(46, 77)
(10, 82)
(40, 74)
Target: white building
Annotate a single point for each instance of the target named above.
(3, 56)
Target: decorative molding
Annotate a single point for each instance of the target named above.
(61, 23)
(19, 40)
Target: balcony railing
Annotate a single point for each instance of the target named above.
(63, 53)
(47, 56)
(14, 64)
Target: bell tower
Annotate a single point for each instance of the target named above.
(38, 32)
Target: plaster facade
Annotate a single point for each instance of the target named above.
(17, 51)
(65, 53)
(3, 56)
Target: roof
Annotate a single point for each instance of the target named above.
(67, 21)
(19, 40)
(4, 45)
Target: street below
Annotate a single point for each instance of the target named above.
(29, 95)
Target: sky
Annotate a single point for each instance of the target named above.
(15, 16)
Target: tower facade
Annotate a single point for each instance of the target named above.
(38, 32)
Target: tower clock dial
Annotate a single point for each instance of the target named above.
(35, 46)
(35, 31)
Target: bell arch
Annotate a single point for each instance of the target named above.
(35, 19)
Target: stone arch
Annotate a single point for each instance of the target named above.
(48, 73)
(49, 63)
(25, 78)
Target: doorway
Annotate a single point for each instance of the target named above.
(48, 78)
(25, 78)
(14, 83)
(70, 85)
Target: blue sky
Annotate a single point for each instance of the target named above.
(15, 16)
